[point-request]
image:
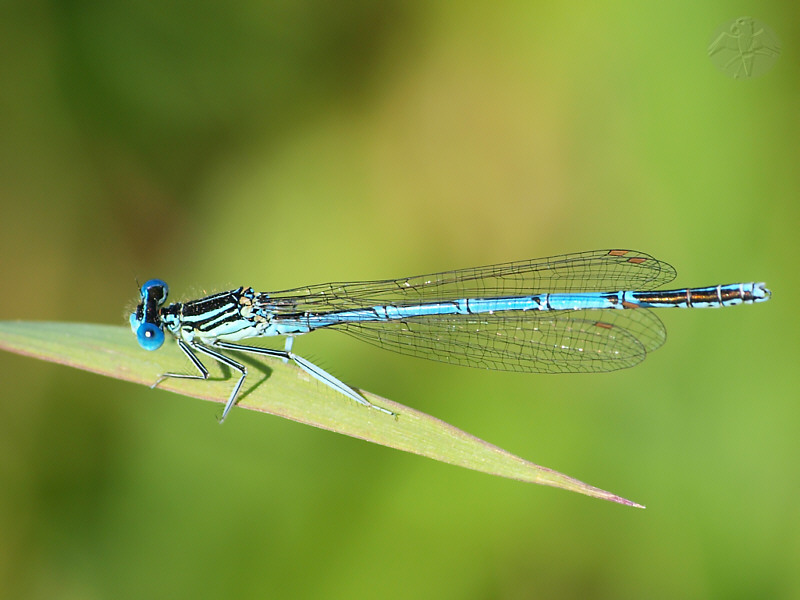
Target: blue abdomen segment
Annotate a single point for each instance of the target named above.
(463, 306)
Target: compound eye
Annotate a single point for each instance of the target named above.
(149, 336)
(155, 289)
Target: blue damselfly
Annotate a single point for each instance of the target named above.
(574, 313)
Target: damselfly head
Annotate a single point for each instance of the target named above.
(146, 319)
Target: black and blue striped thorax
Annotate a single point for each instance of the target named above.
(233, 315)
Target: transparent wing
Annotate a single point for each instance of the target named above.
(595, 271)
(581, 341)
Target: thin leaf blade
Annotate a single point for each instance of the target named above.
(282, 390)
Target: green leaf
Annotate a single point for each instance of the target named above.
(279, 389)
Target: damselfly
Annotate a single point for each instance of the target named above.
(563, 314)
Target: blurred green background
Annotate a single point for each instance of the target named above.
(280, 144)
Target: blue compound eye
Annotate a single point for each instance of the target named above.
(149, 336)
(155, 289)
